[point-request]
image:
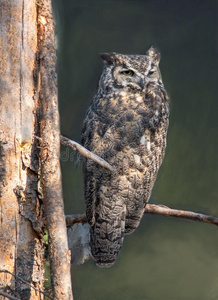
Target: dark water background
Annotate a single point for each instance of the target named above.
(166, 258)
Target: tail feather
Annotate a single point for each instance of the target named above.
(106, 238)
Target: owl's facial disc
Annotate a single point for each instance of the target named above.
(128, 78)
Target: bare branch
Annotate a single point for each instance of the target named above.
(158, 210)
(84, 152)
(72, 219)
(169, 212)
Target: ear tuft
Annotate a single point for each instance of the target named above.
(109, 58)
(154, 53)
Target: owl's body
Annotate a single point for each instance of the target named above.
(126, 125)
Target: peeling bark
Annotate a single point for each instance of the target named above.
(21, 222)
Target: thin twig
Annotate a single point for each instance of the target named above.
(169, 212)
(72, 219)
(26, 282)
(158, 210)
(84, 152)
(8, 296)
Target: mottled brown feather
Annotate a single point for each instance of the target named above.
(126, 125)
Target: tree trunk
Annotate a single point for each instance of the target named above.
(50, 157)
(21, 247)
(29, 165)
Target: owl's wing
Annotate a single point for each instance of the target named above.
(90, 194)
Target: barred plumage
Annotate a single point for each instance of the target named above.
(126, 125)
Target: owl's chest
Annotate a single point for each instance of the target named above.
(123, 120)
(121, 103)
(120, 115)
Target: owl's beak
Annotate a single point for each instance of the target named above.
(142, 84)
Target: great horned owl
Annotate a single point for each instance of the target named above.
(126, 125)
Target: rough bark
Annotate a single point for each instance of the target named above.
(21, 247)
(59, 255)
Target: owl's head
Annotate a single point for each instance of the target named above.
(130, 72)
